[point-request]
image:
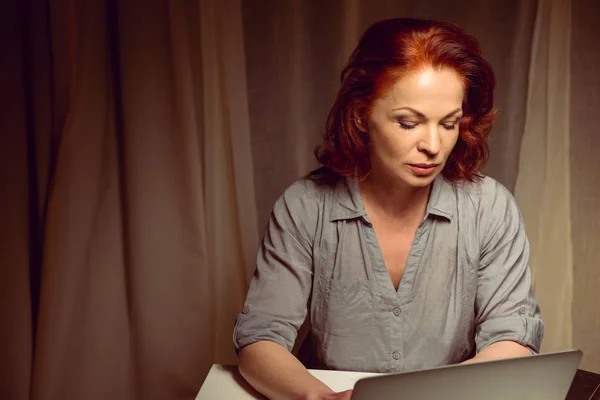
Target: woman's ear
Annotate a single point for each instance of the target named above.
(361, 122)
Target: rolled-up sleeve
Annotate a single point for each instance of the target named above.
(276, 303)
(506, 308)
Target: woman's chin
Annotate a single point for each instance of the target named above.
(406, 178)
(418, 181)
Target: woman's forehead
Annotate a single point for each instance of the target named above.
(427, 89)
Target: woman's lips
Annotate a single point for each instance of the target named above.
(423, 169)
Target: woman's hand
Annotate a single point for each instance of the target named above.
(345, 395)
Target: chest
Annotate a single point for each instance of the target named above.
(426, 253)
(356, 300)
(395, 242)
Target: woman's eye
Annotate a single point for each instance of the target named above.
(406, 126)
(449, 127)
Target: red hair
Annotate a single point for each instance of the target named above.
(388, 50)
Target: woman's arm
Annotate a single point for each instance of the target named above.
(507, 315)
(277, 374)
(500, 350)
(277, 301)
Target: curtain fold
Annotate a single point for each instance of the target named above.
(150, 229)
(585, 179)
(543, 183)
(83, 335)
(16, 335)
(228, 189)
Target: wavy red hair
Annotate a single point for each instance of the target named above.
(387, 51)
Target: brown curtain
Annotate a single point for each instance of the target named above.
(543, 184)
(585, 179)
(127, 197)
(23, 185)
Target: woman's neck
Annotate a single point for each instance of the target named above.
(393, 199)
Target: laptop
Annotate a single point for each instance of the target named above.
(544, 377)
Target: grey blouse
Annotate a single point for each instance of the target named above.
(466, 284)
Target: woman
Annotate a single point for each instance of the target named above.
(400, 252)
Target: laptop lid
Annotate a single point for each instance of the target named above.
(544, 377)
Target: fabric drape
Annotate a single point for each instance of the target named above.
(149, 226)
(543, 183)
(585, 179)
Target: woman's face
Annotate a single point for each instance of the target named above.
(414, 126)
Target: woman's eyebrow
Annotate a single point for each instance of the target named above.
(450, 114)
(422, 116)
(412, 110)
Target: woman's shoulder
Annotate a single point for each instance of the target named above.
(483, 188)
(312, 187)
(304, 197)
(492, 202)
